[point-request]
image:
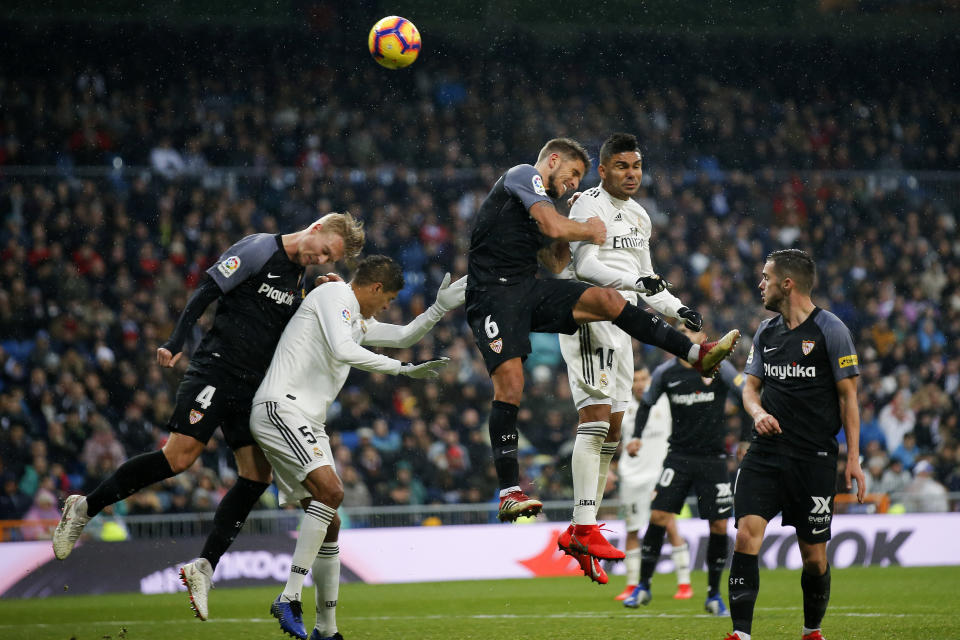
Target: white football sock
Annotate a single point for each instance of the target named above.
(681, 563)
(313, 530)
(743, 635)
(586, 464)
(606, 456)
(326, 578)
(632, 562)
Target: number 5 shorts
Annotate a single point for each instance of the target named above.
(292, 445)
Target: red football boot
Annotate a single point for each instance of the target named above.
(626, 592)
(713, 353)
(684, 592)
(516, 504)
(591, 567)
(587, 539)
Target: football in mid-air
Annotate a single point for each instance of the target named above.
(394, 42)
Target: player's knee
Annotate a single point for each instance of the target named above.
(660, 518)
(334, 497)
(746, 541)
(508, 383)
(816, 566)
(329, 495)
(611, 303)
(264, 476)
(718, 527)
(180, 459)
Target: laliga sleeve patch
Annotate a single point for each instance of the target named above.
(538, 186)
(229, 266)
(750, 357)
(849, 361)
(345, 316)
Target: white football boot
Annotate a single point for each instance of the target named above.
(72, 521)
(197, 577)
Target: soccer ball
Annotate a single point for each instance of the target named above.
(394, 42)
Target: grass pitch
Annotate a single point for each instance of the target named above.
(914, 604)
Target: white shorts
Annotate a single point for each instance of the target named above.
(292, 445)
(599, 359)
(635, 499)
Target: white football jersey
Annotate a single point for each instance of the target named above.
(624, 256)
(646, 465)
(318, 346)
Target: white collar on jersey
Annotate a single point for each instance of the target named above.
(616, 202)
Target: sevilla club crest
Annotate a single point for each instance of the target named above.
(195, 416)
(807, 346)
(497, 345)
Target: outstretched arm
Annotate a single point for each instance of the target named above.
(169, 352)
(382, 334)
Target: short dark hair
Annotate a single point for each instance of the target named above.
(618, 143)
(378, 268)
(567, 147)
(796, 265)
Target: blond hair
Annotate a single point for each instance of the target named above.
(348, 228)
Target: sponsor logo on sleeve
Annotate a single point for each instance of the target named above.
(538, 186)
(345, 316)
(807, 346)
(229, 266)
(849, 361)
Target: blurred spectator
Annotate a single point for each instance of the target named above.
(925, 494)
(96, 267)
(895, 478)
(907, 451)
(44, 508)
(897, 419)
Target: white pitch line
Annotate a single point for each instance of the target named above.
(477, 616)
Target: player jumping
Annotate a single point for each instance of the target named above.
(599, 356)
(506, 301)
(257, 283)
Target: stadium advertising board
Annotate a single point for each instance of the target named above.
(416, 554)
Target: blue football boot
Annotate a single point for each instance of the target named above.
(290, 615)
(641, 595)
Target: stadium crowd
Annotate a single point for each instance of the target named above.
(96, 268)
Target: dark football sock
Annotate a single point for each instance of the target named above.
(230, 516)
(651, 329)
(744, 586)
(133, 475)
(650, 552)
(716, 561)
(503, 440)
(816, 597)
